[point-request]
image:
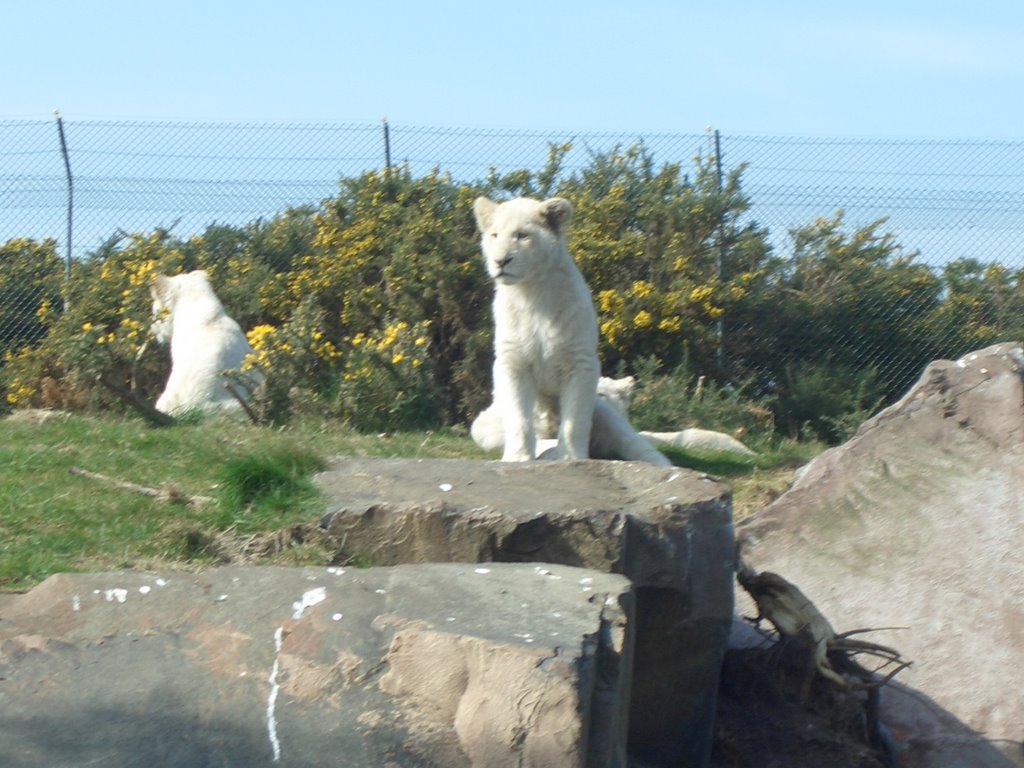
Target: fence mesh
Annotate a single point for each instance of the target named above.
(946, 200)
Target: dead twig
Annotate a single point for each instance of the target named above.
(134, 385)
(148, 412)
(242, 402)
(794, 616)
(169, 492)
(833, 656)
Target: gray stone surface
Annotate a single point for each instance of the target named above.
(668, 529)
(433, 665)
(917, 523)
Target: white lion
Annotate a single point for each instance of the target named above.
(205, 343)
(619, 392)
(545, 341)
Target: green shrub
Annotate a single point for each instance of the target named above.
(826, 401)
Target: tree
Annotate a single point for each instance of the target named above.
(847, 305)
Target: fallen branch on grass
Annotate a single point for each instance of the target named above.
(170, 492)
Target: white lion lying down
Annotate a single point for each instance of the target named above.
(545, 342)
(612, 436)
(204, 341)
(618, 393)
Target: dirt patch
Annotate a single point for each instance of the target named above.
(772, 714)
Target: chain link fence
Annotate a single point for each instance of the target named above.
(945, 200)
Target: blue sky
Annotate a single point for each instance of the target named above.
(871, 69)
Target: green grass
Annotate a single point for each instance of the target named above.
(258, 480)
(256, 488)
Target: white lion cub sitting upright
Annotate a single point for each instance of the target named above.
(204, 341)
(545, 341)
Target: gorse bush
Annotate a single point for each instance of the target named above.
(373, 307)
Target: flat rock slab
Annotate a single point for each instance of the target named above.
(593, 514)
(917, 523)
(431, 665)
(668, 529)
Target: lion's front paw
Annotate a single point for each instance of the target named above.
(516, 456)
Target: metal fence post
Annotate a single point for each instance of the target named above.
(720, 256)
(387, 146)
(71, 200)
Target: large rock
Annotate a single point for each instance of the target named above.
(669, 530)
(439, 665)
(917, 523)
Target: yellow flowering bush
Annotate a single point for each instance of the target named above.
(661, 253)
(387, 379)
(96, 340)
(374, 305)
(31, 275)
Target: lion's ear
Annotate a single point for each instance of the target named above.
(483, 211)
(557, 213)
(161, 287)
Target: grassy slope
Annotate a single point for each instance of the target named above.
(53, 521)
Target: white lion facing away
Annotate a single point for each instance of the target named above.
(205, 343)
(545, 342)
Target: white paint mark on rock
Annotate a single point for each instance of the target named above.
(116, 595)
(145, 589)
(76, 603)
(336, 616)
(275, 687)
(310, 598)
(481, 570)
(161, 582)
(545, 572)
(445, 487)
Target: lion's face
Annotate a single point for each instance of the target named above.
(520, 237)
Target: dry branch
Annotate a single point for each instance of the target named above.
(148, 412)
(794, 616)
(241, 401)
(169, 492)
